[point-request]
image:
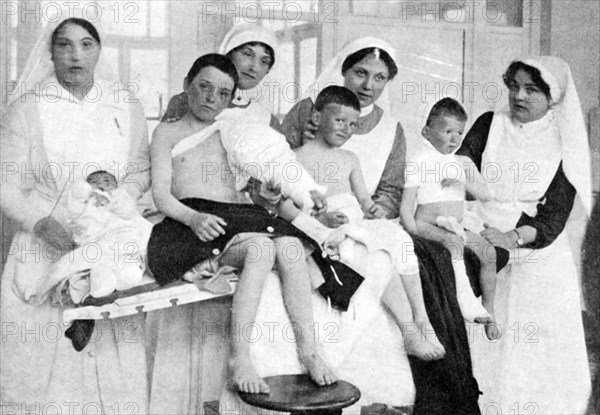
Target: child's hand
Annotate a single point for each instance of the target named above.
(320, 202)
(207, 227)
(333, 219)
(99, 198)
(447, 182)
(375, 212)
(270, 193)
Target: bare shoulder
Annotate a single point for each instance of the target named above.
(348, 156)
(169, 133)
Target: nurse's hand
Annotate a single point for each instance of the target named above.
(310, 128)
(52, 232)
(498, 238)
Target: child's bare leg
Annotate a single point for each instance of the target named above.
(487, 278)
(255, 256)
(470, 307)
(291, 264)
(408, 309)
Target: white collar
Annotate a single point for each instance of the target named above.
(367, 110)
(533, 128)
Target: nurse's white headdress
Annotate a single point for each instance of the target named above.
(332, 74)
(247, 33)
(571, 124)
(39, 66)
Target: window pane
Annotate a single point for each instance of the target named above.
(308, 62)
(507, 12)
(127, 18)
(285, 77)
(149, 70)
(112, 57)
(158, 18)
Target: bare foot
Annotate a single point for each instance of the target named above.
(472, 310)
(426, 330)
(417, 344)
(483, 320)
(317, 369)
(244, 377)
(492, 331)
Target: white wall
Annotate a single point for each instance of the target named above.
(575, 37)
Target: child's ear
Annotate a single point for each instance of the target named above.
(186, 84)
(425, 132)
(315, 117)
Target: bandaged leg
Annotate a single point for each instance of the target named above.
(451, 224)
(470, 306)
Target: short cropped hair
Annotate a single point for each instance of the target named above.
(216, 60)
(334, 94)
(446, 107)
(268, 49)
(534, 73)
(358, 56)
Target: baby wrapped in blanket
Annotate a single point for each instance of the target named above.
(111, 237)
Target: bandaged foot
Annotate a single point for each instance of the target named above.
(317, 369)
(244, 377)
(470, 306)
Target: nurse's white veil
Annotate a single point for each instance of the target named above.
(247, 33)
(39, 66)
(332, 74)
(571, 125)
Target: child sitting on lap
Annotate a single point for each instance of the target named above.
(336, 112)
(208, 217)
(440, 215)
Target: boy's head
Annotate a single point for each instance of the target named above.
(445, 125)
(336, 112)
(102, 180)
(210, 85)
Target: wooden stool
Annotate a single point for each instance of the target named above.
(299, 395)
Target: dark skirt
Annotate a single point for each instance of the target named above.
(174, 248)
(444, 386)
